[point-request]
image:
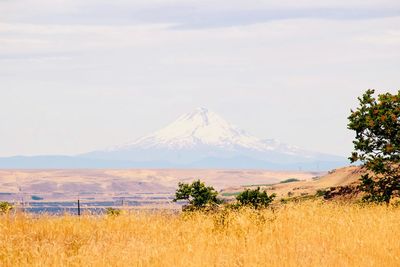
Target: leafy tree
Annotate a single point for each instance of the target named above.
(255, 198)
(5, 207)
(197, 194)
(377, 144)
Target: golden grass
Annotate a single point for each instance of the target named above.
(307, 234)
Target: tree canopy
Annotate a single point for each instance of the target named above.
(376, 123)
(197, 194)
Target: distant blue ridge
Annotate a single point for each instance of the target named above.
(79, 162)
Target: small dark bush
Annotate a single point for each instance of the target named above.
(290, 180)
(255, 198)
(5, 207)
(113, 211)
(321, 192)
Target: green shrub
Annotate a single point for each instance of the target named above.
(113, 211)
(255, 198)
(321, 192)
(290, 180)
(5, 207)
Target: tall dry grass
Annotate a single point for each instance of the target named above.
(308, 234)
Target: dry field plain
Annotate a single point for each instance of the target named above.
(145, 187)
(111, 180)
(302, 234)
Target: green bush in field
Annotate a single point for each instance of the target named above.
(255, 198)
(5, 207)
(113, 211)
(290, 180)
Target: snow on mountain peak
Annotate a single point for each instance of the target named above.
(199, 127)
(203, 134)
(202, 138)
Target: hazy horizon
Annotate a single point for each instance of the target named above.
(80, 76)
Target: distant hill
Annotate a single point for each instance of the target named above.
(338, 178)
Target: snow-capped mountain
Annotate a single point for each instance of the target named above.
(198, 128)
(199, 139)
(204, 139)
(205, 128)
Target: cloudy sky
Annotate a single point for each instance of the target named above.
(82, 75)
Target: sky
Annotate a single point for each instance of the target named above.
(77, 76)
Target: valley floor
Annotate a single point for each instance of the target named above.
(303, 234)
(56, 191)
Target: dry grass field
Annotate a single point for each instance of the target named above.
(302, 234)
